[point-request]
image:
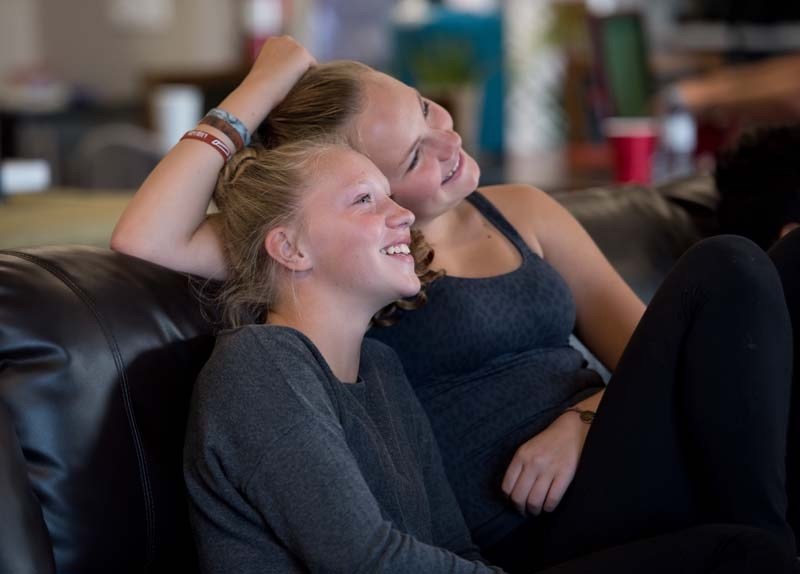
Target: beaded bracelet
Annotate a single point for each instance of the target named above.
(586, 415)
(211, 140)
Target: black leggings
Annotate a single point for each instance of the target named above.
(693, 425)
(706, 549)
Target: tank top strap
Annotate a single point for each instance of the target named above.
(493, 216)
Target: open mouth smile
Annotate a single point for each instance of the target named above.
(397, 249)
(453, 171)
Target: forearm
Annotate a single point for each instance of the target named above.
(740, 88)
(166, 220)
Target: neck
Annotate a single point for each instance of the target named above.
(443, 228)
(335, 330)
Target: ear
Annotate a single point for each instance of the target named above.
(282, 245)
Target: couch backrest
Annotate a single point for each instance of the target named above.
(98, 355)
(639, 229)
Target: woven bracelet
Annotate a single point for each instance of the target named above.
(225, 128)
(211, 140)
(232, 121)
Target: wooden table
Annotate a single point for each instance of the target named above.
(62, 215)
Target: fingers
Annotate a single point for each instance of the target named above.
(533, 487)
(557, 490)
(511, 476)
(283, 53)
(522, 488)
(538, 494)
(526, 485)
(541, 471)
(533, 494)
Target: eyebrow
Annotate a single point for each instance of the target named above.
(361, 182)
(416, 141)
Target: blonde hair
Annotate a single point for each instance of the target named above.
(316, 113)
(321, 105)
(258, 190)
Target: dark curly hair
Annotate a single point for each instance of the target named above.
(759, 183)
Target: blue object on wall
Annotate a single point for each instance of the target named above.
(479, 39)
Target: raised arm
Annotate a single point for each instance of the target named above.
(166, 220)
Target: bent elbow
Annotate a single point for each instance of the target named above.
(129, 244)
(122, 243)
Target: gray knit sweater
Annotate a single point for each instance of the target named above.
(290, 470)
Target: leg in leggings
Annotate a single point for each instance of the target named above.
(692, 428)
(786, 257)
(713, 548)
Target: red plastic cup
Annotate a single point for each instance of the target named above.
(633, 143)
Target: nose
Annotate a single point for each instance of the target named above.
(441, 118)
(445, 143)
(398, 216)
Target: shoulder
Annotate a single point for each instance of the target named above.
(252, 350)
(257, 346)
(540, 219)
(261, 367)
(512, 192)
(258, 386)
(380, 363)
(378, 355)
(528, 209)
(515, 200)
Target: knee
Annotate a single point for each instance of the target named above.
(732, 262)
(735, 249)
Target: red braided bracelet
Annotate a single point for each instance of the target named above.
(211, 140)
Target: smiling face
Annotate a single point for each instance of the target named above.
(411, 140)
(356, 237)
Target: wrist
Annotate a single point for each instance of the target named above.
(586, 416)
(219, 134)
(249, 104)
(261, 92)
(230, 125)
(569, 419)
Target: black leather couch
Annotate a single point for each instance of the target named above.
(98, 354)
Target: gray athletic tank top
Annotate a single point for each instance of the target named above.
(490, 361)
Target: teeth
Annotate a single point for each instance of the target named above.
(455, 168)
(401, 248)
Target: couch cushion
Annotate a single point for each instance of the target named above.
(98, 355)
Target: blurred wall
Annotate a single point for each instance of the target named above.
(78, 41)
(20, 40)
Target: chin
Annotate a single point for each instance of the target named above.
(474, 174)
(410, 290)
(468, 181)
